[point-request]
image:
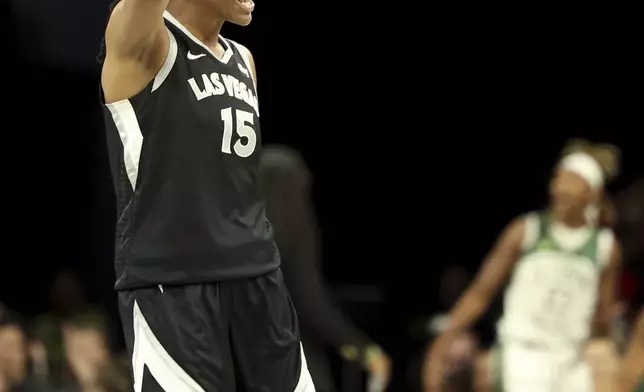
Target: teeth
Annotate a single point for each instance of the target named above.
(246, 3)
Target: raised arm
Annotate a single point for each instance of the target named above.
(135, 27)
(476, 299)
(136, 45)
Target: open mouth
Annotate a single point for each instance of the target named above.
(247, 5)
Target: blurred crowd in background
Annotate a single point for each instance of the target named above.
(70, 348)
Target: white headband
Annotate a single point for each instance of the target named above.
(585, 166)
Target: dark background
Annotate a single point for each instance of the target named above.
(425, 137)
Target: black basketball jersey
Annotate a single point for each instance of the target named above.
(184, 154)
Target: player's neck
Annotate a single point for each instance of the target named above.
(571, 221)
(201, 23)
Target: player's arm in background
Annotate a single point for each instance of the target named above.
(600, 351)
(608, 292)
(496, 269)
(285, 183)
(137, 44)
(632, 370)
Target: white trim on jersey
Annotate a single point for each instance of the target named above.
(168, 64)
(126, 122)
(148, 352)
(228, 54)
(605, 239)
(129, 130)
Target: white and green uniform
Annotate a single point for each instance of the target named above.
(548, 307)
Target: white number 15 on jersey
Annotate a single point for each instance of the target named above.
(244, 129)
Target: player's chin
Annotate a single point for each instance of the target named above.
(242, 12)
(243, 20)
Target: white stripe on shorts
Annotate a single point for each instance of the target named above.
(149, 352)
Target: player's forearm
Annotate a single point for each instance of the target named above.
(324, 319)
(468, 311)
(495, 270)
(330, 325)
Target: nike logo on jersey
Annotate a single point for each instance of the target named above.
(243, 70)
(217, 84)
(195, 56)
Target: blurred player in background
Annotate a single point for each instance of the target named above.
(562, 269)
(626, 214)
(286, 182)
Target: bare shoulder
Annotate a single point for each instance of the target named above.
(515, 230)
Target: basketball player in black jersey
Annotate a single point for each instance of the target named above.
(202, 299)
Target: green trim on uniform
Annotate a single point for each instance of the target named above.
(546, 242)
(497, 369)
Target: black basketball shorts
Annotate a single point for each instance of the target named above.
(229, 336)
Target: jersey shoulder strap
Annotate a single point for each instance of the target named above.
(538, 227)
(537, 237)
(168, 64)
